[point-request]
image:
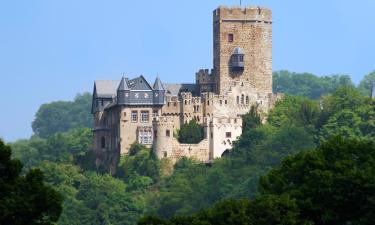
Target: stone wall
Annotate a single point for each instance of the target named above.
(251, 29)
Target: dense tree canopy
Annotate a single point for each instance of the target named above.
(307, 84)
(25, 199)
(365, 86)
(190, 133)
(61, 116)
(334, 184)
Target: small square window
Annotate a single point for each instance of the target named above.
(228, 134)
(230, 38)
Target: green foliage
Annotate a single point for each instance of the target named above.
(365, 86)
(334, 184)
(25, 199)
(347, 113)
(264, 210)
(62, 116)
(190, 133)
(251, 119)
(140, 168)
(307, 84)
(60, 147)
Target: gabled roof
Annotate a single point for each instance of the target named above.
(158, 85)
(105, 88)
(139, 83)
(175, 89)
(123, 84)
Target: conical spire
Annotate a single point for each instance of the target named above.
(123, 85)
(158, 85)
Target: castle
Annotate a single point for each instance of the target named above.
(131, 110)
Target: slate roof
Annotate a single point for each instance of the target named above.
(106, 88)
(139, 83)
(123, 84)
(158, 85)
(175, 89)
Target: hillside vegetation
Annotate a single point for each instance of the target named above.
(327, 132)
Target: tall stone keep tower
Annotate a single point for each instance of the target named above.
(242, 43)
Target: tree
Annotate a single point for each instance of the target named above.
(140, 168)
(251, 119)
(307, 84)
(334, 184)
(190, 133)
(365, 86)
(61, 116)
(25, 199)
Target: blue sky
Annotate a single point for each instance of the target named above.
(52, 50)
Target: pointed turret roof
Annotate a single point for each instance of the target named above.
(123, 84)
(158, 85)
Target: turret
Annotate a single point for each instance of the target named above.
(123, 92)
(159, 92)
(163, 137)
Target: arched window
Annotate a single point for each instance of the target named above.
(247, 100)
(242, 99)
(102, 142)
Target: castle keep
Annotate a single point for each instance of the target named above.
(131, 110)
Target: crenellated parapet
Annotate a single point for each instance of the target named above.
(205, 80)
(243, 14)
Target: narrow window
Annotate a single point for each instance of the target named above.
(226, 102)
(230, 37)
(228, 134)
(238, 99)
(155, 113)
(144, 116)
(221, 102)
(134, 116)
(168, 133)
(247, 100)
(242, 99)
(102, 142)
(165, 154)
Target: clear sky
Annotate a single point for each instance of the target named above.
(52, 50)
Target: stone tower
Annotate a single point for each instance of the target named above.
(242, 43)
(163, 136)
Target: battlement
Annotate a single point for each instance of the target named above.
(163, 121)
(204, 76)
(243, 14)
